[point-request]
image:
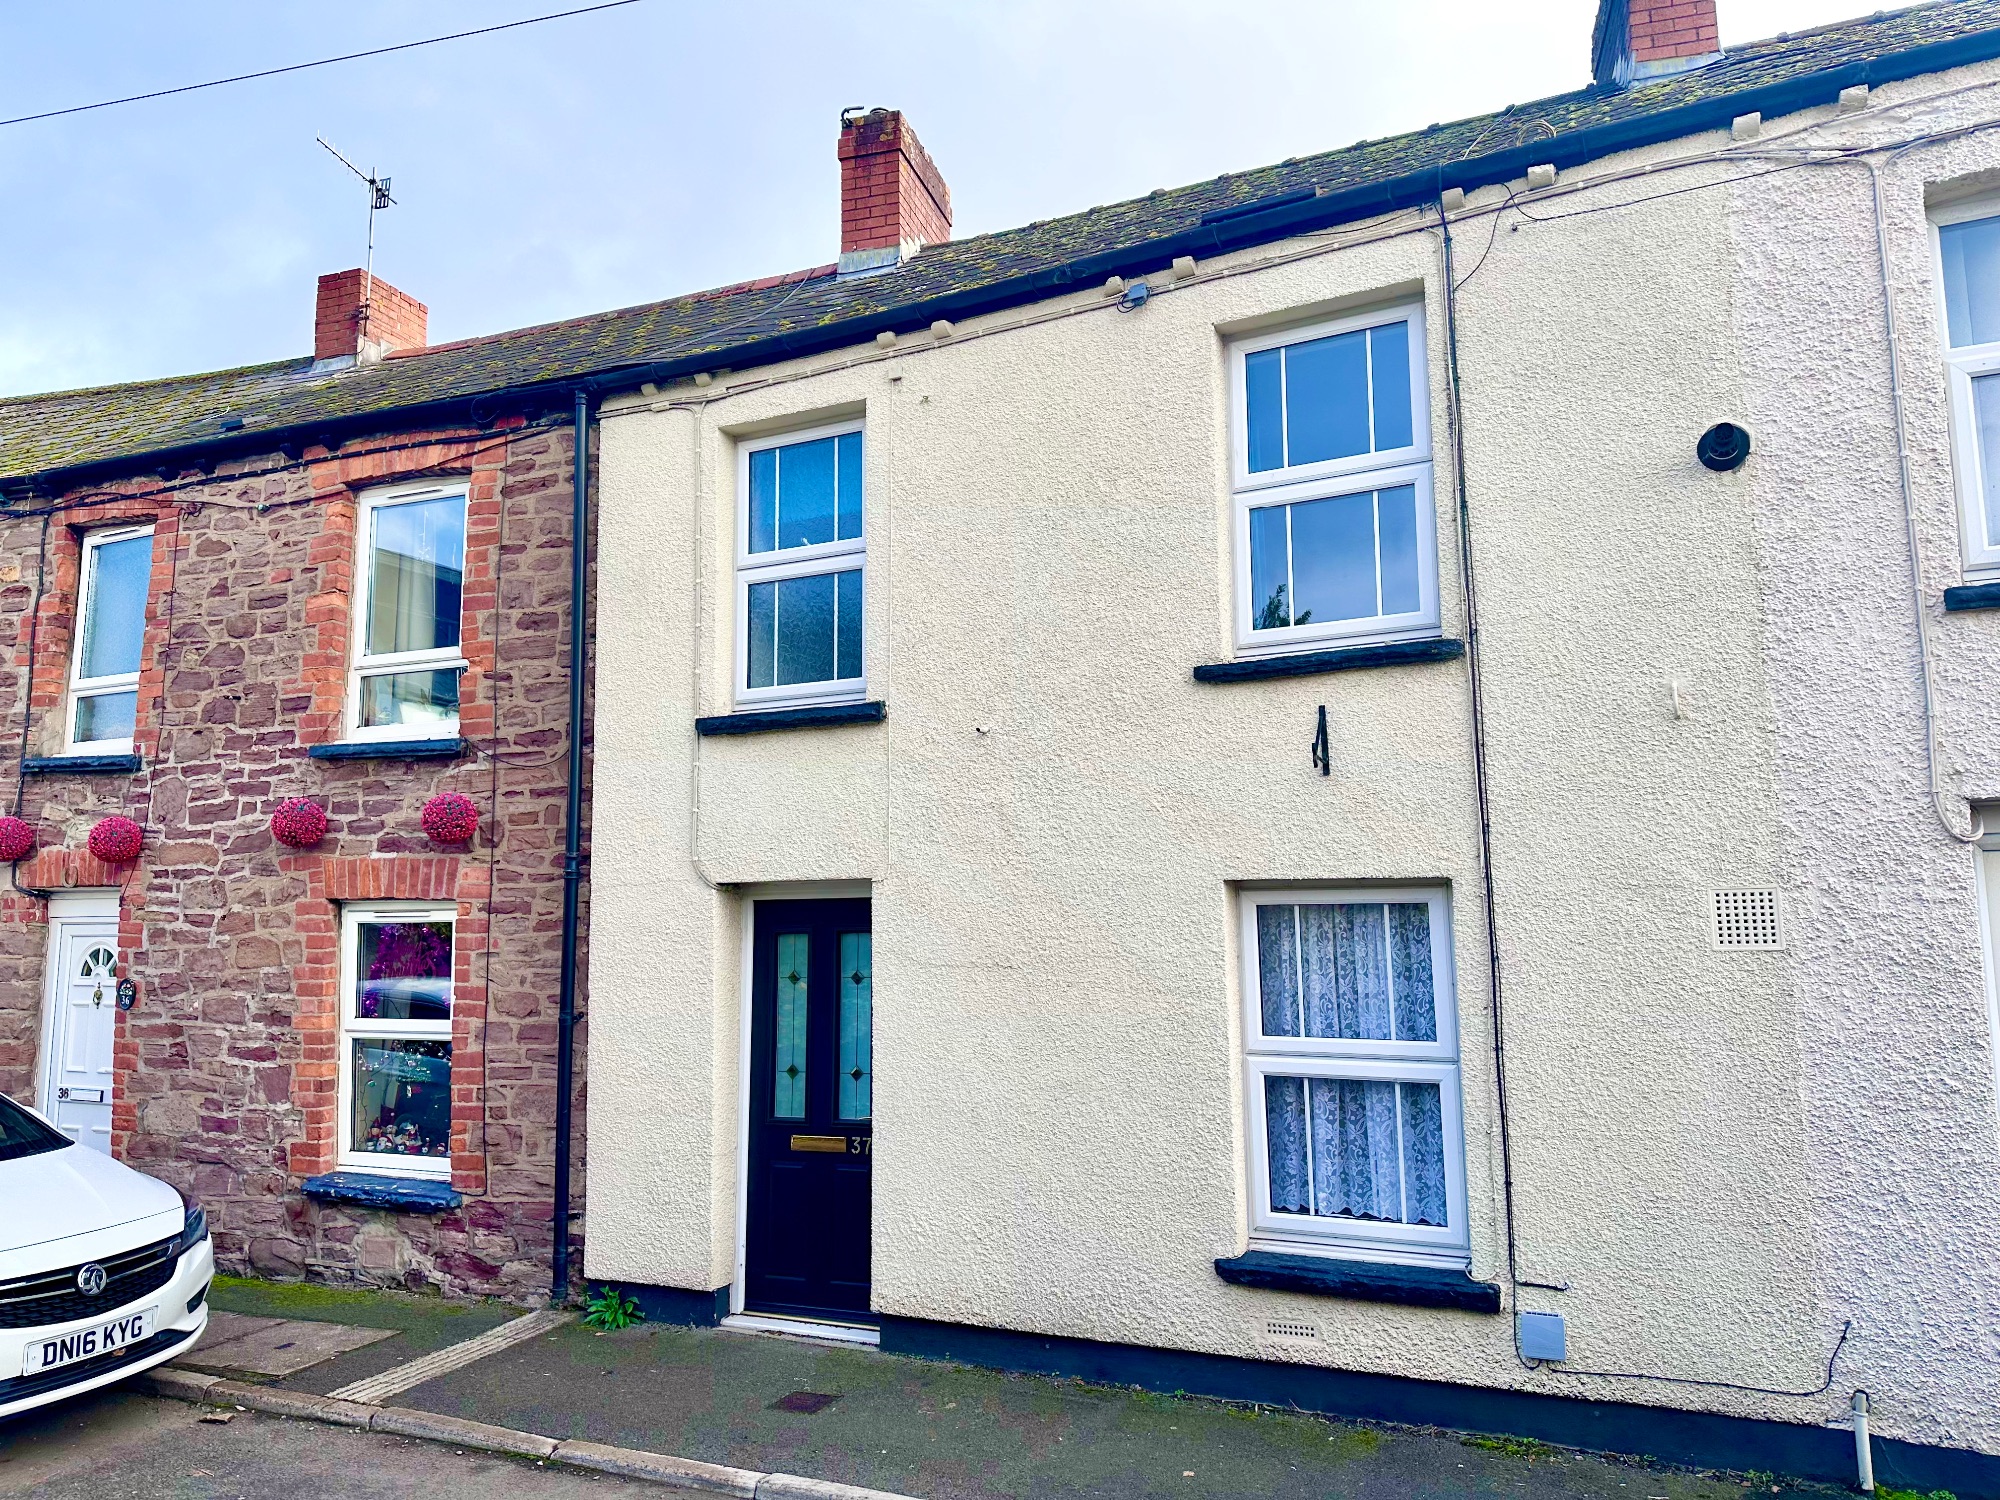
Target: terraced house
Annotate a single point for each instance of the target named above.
(1363, 784)
(289, 689)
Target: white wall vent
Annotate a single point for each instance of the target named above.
(1746, 919)
(1292, 1328)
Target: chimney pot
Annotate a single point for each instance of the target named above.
(363, 319)
(893, 199)
(1639, 41)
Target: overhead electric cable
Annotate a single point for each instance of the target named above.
(429, 41)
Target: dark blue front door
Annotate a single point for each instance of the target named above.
(811, 1102)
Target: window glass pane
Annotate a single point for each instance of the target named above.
(805, 494)
(1326, 398)
(1389, 371)
(763, 499)
(402, 971)
(401, 1097)
(1423, 1154)
(1357, 1167)
(1972, 281)
(105, 716)
(1333, 558)
(1278, 968)
(805, 621)
(1410, 972)
(418, 564)
(417, 698)
(857, 1003)
(847, 623)
(1986, 415)
(115, 625)
(1263, 397)
(1270, 568)
(848, 467)
(788, 1098)
(1344, 972)
(763, 664)
(1396, 525)
(1287, 1144)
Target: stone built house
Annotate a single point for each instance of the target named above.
(227, 591)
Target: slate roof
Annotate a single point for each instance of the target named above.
(111, 425)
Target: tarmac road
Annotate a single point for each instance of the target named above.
(113, 1445)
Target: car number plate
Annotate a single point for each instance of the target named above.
(88, 1343)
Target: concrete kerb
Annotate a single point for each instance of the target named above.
(603, 1458)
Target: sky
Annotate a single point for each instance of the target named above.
(618, 158)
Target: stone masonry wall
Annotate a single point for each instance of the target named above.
(225, 1073)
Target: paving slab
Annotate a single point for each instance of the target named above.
(422, 1323)
(275, 1346)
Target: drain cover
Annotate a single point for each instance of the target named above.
(804, 1401)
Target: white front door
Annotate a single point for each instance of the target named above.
(83, 1010)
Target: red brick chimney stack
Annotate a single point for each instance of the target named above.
(342, 325)
(893, 200)
(1640, 40)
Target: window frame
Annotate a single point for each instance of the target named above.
(361, 664)
(1364, 1060)
(1977, 554)
(1421, 623)
(843, 555)
(353, 915)
(1387, 469)
(81, 687)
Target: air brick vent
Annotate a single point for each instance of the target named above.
(1292, 1328)
(1746, 919)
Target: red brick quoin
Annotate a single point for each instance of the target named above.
(224, 1079)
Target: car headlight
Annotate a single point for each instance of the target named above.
(194, 1227)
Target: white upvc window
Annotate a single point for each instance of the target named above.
(801, 560)
(409, 576)
(1335, 527)
(1968, 246)
(395, 1037)
(1355, 1124)
(115, 580)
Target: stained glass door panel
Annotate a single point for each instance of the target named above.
(811, 1106)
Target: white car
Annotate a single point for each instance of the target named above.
(104, 1271)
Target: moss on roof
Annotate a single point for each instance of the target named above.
(71, 429)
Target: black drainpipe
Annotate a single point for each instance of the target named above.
(579, 586)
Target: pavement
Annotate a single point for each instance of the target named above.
(824, 1411)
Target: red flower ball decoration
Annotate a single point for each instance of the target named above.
(16, 839)
(451, 818)
(299, 822)
(117, 841)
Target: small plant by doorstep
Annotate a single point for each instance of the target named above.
(608, 1310)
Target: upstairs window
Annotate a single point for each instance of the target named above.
(800, 559)
(1352, 1100)
(1969, 252)
(117, 576)
(1336, 538)
(407, 654)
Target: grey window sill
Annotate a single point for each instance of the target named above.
(444, 749)
(411, 1195)
(80, 765)
(1361, 1281)
(1972, 596)
(817, 716)
(1339, 659)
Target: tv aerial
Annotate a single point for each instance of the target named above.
(378, 199)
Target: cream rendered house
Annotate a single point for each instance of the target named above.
(1342, 786)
